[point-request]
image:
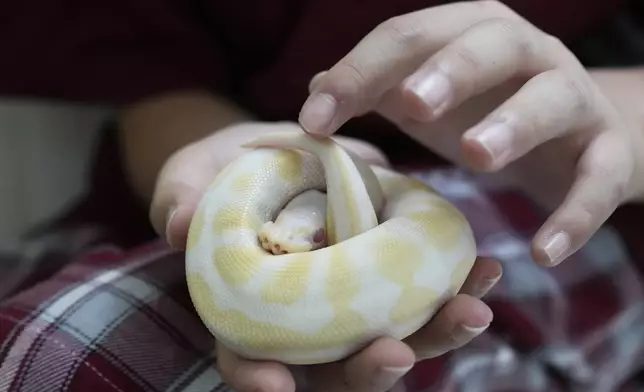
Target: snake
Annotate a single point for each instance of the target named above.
(303, 253)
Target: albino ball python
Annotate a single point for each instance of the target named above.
(301, 253)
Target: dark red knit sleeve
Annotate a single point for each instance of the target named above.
(107, 51)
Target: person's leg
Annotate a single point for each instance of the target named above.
(109, 321)
(113, 320)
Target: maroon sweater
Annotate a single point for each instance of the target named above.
(262, 51)
(259, 51)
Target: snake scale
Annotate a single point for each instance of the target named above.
(302, 253)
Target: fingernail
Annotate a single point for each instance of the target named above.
(475, 330)
(389, 376)
(556, 247)
(495, 139)
(435, 90)
(171, 213)
(485, 285)
(317, 113)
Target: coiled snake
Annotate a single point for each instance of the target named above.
(300, 252)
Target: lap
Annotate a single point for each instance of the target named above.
(122, 320)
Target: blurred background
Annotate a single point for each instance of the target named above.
(46, 152)
(38, 183)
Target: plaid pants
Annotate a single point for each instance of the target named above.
(79, 314)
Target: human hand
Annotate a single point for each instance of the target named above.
(179, 188)
(480, 85)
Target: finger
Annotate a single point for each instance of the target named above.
(488, 54)
(485, 273)
(249, 376)
(187, 173)
(550, 105)
(179, 187)
(376, 368)
(604, 173)
(381, 60)
(458, 322)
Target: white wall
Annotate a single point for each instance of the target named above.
(45, 150)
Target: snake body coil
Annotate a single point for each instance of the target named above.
(279, 270)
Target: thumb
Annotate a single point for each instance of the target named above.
(179, 187)
(187, 173)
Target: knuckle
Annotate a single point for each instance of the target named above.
(590, 211)
(612, 172)
(579, 96)
(584, 218)
(350, 79)
(465, 57)
(345, 82)
(503, 25)
(528, 129)
(556, 53)
(403, 30)
(514, 33)
(496, 6)
(554, 42)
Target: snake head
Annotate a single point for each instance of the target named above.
(282, 237)
(299, 226)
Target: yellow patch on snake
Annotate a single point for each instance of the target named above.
(243, 183)
(404, 309)
(399, 184)
(330, 227)
(237, 263)
(234, 216)
(417, 185)
(238, 327)
(288, 165)
(341, 287)
(400, 260)
(345, 186)
(341, 282)
(289, 284)
(441, 223)
(353, 217)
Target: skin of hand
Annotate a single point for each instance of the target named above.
(478, 84)
(179, 187)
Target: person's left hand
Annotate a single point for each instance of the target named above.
(376, 368)
(480, 85)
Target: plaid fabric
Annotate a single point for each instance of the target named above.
(117, 320)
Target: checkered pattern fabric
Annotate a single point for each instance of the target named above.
(78, 314)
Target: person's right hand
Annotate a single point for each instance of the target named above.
(179, 188)
(481, 86)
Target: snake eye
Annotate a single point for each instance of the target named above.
(319, 236)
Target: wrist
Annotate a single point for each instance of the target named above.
(151, 131)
